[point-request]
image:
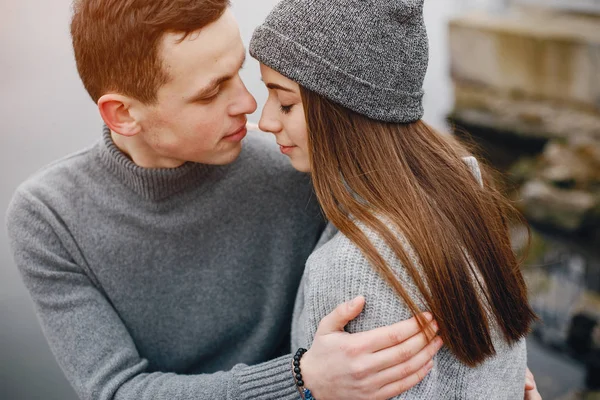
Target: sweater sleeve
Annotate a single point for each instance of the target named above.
(339, 273)
(89, 340)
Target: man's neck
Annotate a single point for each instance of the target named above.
(142, 155)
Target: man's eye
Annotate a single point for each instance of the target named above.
(286, 109)
(210, 97)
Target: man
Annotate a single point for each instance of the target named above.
(163, 261)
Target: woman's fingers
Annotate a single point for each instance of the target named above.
(532, 395)
(529, 380)
(531, 392)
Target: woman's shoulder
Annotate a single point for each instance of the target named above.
(335, 243)
(340, 263)
(338, 254)
(327, 250)
(339, 271)
(333, 248)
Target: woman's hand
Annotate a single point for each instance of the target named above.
(531, 392)
(373, 365)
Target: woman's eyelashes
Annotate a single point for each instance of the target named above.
(286, 109)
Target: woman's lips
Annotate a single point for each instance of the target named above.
(238, 135)
(286, 149)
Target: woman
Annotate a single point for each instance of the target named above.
(419, 227)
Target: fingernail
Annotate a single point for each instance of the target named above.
(438, 341)
(435, 326)
(428, 317)
(353, 302)
(429, 364)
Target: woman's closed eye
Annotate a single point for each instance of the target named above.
(286, 109)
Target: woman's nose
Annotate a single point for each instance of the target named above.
(269, 124)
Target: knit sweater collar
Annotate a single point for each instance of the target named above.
(152, 184)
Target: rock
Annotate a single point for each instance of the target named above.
(537, 55)
(561, 187)
(587, 6)
(523, 170)
(591, 395)
(527, 86)
(574, 165)
(592, 367)
(579, 337)
(566, 210)
(525, 118)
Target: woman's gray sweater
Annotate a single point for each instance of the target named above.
(338, 272)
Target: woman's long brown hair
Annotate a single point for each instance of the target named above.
(416, 179)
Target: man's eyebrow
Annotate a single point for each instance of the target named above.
(215, 82)
(275, 86)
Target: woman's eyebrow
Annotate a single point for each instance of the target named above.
(275, 86)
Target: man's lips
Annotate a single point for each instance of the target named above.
(237, 135)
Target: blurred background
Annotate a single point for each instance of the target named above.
(521, 76)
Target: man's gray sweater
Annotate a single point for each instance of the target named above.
(148, 283)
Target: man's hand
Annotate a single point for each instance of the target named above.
(531, 392)
(373, 365)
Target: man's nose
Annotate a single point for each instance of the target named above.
(245, 103)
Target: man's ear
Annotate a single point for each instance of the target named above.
(115, 110)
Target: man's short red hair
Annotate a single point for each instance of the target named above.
(116, 42)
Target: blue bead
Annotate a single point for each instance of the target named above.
(308, 395)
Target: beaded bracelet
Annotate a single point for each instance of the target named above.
(297, 372)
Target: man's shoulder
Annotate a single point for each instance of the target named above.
(61, 176)
(37, 202)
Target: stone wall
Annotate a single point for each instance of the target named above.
(533, 76)
(538, 55)
(587, 6)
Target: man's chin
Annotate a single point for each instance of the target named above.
(224, 158)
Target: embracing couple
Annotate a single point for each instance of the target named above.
(179, 259)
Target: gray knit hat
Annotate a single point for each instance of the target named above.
(367, 55)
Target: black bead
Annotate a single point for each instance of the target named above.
(300, 383)
(297, 357)
(299, 377)
(296, 363)
(297, 370)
